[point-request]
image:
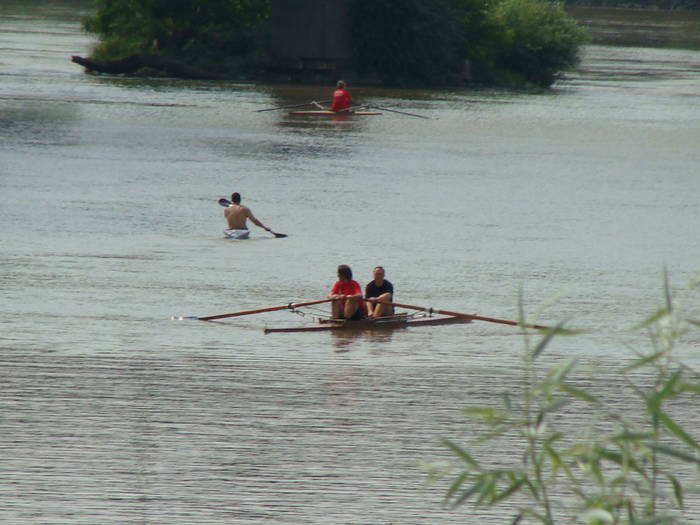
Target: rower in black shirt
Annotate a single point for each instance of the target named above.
(381, 289)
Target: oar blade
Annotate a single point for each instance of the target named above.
(401, 112)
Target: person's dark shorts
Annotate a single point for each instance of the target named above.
(359, 314)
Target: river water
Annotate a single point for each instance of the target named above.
(113, 412)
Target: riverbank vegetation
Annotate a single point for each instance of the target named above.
(681, 5)
(412, 42)
(575, 458)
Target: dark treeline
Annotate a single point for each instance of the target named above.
(398, 42)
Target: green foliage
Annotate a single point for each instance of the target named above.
(182, 28)
(535, 40)
(507, 41)
(627, 474)
(408, 42)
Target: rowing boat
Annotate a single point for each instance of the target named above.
(400, 320)
(392, 322)
(328, 112)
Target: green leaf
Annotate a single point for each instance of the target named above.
(597, 517)
(455, 485)
(556, 404)
(517, 519)
(514, 487)
(644, 361)
(669, 451)
(546, 339)
(627, 436)
(581, 394)
(659, 314)
(669, 388)
(676, 430)
(667, 292)
(688, 387)
(677, 489)
(477, 487)
(463, 454)
(488, 490)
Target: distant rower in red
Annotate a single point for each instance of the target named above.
(341, 97)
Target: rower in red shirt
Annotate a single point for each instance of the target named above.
(347, 296)
(341, 97)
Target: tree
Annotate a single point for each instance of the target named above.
(178, 28)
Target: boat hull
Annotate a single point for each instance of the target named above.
(327, 113)
(387, 323)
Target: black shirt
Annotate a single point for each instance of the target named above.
(372, 290)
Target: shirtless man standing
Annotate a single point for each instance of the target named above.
(237, 215)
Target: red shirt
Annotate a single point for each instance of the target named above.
(346, 288)
(349, 288)
(341, 100)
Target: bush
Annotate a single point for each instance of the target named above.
(534, 40)
(628, 469)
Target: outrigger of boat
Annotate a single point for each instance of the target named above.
(401, 320)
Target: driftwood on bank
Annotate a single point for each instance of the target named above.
(133, 63)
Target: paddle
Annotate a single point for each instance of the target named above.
(312, 103)
(291, 306)
(399, 112)
(465, 316)
(226, 203)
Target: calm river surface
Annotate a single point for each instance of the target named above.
(113, 412)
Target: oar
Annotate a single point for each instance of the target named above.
(226, 203)
(399, 112)
(313, 102)
(465, 316)
(291, 306)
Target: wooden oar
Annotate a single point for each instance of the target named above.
(465, 316)
(226, 203)
(290, 306)
(313, 102)
(399, 112)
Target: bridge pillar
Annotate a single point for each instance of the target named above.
(310, 41)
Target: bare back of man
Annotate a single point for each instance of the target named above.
(237, 215)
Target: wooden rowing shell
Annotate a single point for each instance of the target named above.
(384, 323)
(328, 112)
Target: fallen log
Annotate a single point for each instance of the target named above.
(133, 63)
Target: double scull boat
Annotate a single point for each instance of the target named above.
(401, 320)
(398, 320)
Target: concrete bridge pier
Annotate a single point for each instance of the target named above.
(310, 41)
